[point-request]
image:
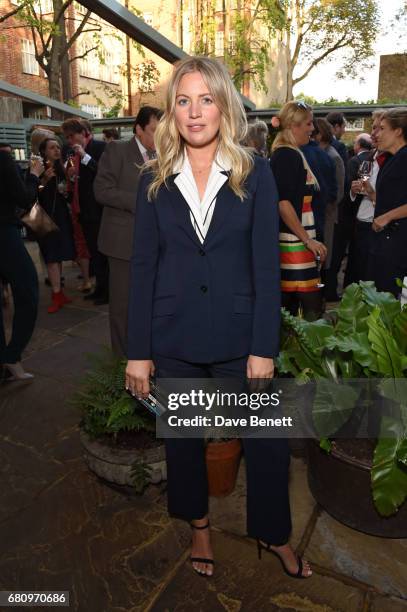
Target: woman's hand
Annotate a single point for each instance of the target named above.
(260, 368)
(369, 191)
(48, 175)
(36, 167)
(138, 374)
(317, 248)
(379, 223)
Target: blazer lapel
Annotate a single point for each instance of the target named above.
(135, 152)
(225, 201)
(181, 209)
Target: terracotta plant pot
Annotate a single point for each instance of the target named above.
(222, 462)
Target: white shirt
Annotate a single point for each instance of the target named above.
(366, 209)
(142, 149)
(201, 212)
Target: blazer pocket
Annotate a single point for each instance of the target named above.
(243, 304)
(164, 306)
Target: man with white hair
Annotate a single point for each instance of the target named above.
(362, 143)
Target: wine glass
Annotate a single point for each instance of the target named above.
(318, 262)
(365, 172)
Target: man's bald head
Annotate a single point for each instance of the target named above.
(362, 143)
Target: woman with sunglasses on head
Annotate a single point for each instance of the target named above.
(55, 247)
(205, 292)
(299, 250)
(388, 258)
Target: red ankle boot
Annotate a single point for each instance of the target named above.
(57, 302)
(64, 298)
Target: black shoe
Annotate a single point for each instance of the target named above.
(103, 299)
(298, 574)
(201, 559)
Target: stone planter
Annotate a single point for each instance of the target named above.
(114, 464)
(341, 485)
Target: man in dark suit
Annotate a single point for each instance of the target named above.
(87, 152)
(337, 120)
(115, 188)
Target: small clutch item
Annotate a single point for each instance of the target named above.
(39, 221)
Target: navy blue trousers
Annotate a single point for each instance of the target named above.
(267, 464)
(17, 268)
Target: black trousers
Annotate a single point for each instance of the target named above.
(17, 268)
(341, 240)
(388, 260)
(360, 247)
(267, 464)
(99, 262)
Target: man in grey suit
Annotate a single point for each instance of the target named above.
(115, 187)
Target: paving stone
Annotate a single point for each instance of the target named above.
(67, 361)
(42, 339)
(388, 604)
(95, 329)
(38, 415)
(229, 513)
(243, 584)
(67, 317)
(377, 561)
(110, 552)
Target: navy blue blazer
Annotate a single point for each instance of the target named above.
(209, 302)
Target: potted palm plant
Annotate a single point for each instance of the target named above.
(361, 482)
(117, 432)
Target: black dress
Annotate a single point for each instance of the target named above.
(58, 246)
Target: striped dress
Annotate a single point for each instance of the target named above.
(299, 272)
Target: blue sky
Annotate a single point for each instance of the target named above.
(322, 84)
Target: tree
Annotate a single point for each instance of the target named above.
(318, 30)
(54, 36)
(240, 32)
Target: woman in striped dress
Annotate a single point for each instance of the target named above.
(299, 251)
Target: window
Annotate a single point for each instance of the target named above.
(92, 109)
(109, 69)
(89, 66)
(79, 8)
(44, 7)
(355, 125)
(219, 43)
(148, 18)
(30, 64)
(232, 42)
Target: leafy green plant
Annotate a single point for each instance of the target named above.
(105, 405)
(140, 475)
(364, 338)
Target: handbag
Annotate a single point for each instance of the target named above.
(39, 221)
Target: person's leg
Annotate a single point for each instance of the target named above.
(16, 265)
(118, 303)
(99, 262)
(267, 470)
(312, 305)
(339, 243)
(290, 301)
(187, 480)
(54, 275)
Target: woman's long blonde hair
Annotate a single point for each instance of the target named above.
(293, 113)
(233, 125)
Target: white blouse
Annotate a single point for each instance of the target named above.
(201, 211)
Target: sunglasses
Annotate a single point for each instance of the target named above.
(302, 104)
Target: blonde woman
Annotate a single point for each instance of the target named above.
(296, 182)
(205, 292)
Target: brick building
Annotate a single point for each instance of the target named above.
(393, 77)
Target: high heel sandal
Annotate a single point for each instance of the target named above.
(298, 574)
(201, 559)
(15, 371)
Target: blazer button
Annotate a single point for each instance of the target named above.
(202, 252)
(204, 288)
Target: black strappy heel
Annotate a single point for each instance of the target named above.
(201, 559)
(298, 574)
